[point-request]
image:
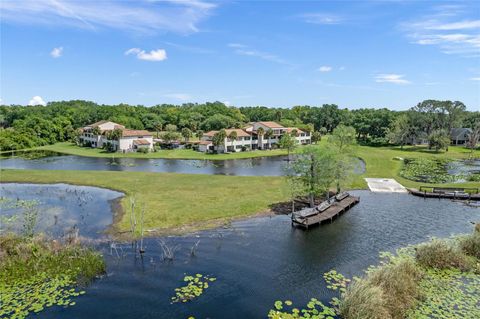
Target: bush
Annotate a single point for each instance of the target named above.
(441, 255)
(143, 150)
(470, 244)
(387, 291)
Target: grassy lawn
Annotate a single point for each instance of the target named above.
(174, 202)
(380, 162)
(72, 149)
(185, 202)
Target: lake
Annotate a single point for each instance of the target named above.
(260, 166)
(256, 261)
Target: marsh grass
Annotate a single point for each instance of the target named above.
(36, 273)
(441, 254)
(386, 292)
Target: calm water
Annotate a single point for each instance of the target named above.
(463, 169)
(61, 207)
(260, 166)
(260, 260)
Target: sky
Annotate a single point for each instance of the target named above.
(245, 53)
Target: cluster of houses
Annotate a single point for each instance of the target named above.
(251, 137)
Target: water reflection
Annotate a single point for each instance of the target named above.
(260, 166)
(61, 207)
(260, 260)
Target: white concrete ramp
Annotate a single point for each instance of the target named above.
(385, 185)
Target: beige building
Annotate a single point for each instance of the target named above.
(249, 138)
(97, 135)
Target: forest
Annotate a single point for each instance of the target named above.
(30, 126)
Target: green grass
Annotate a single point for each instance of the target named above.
(186, 202)
(72, 149)
(174, 202)
(36, 273)
(380, 163)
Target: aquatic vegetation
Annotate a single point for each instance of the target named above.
(36, 293)
(336, 281)
(427, 170)
(194, 288)
(36, 273)
(314, 309)
(474, 177)
(448, 293)
(439, 279)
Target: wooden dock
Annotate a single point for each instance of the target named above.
(328, 215)
(445, 192)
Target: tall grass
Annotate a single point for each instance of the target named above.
(23, 257)
(387, 292)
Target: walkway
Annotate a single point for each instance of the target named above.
(385, 185)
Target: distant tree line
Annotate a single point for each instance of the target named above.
(29, 126)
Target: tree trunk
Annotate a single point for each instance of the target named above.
(311, 199)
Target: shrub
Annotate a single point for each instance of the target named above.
(470, 244)
(363, 300)
(386, 292)
(441, 255)
(143, 150)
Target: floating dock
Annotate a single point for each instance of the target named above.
(446, 192)
(312, 216)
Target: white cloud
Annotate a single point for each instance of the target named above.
(179, 96)
(57, 52)
(342, 68)
(242, 49)
(475, 79)
(153, 55)
(37, 100)
(325, 68)
(391, 78)
(322, 18)
(447, 29)
(144, 16)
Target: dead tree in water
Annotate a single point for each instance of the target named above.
(168, 251)
(194, 248)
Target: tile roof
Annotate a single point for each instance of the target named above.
(271, 124)
(239, 131)
(130, 133)
(141, 142)
(290, 129)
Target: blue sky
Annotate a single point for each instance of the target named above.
(273, 53)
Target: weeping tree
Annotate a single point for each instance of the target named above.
(473, 139)
(312, 172)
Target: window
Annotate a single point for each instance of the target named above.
(238, 147)
(247, 138)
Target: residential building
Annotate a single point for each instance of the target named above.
(459, 136)
(249, 138)
(98, 135)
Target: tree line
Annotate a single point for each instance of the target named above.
(29, 126)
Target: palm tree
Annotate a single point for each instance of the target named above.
(219, 138)
(260, 132)
(233, 137)
(269, 135)
(158, 127)
(186, 133)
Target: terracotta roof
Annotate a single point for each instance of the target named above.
(115, 125)
(210, 133)
(271, 124)
(130, 133)
(290, 129)
(141, 142)
(239, 131)
(204, 142)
